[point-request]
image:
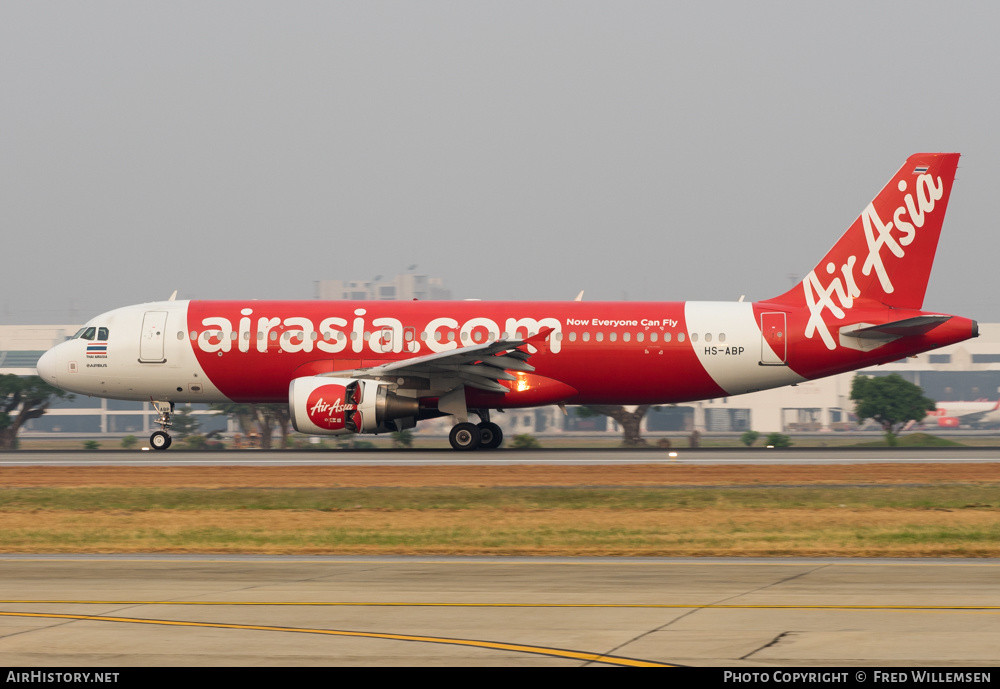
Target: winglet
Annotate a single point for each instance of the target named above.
(537, 339)
(173, 296)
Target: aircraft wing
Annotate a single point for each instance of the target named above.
(480, 366)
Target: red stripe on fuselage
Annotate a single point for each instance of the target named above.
(603, 372)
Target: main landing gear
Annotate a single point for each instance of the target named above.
(160, 440)
(483, 436)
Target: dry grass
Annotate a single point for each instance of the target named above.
(703, 532)
(783, 524)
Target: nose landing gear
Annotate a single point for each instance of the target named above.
(160, 440)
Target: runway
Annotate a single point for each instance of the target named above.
(553, 457)
(240, 611)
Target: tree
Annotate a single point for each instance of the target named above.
(778, 440)
(185, 423)
(259, 417)
(23, 399)
(403, 438)
(631, 422)
(890, 401)
(749, 438)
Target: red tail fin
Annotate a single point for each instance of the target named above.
(886, 255)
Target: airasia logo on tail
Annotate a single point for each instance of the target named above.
(908, 217)
(326, 407)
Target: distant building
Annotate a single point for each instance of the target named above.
(22, 345)
(406, 287)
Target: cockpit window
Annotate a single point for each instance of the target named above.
(79, 333)
(88, 334)
(102, 333)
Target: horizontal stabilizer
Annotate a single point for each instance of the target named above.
(904, 328)
(865, 337)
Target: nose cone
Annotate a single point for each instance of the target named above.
(47, 367)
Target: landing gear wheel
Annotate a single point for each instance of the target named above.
(490, 436)
(464, 436)
(159, 441)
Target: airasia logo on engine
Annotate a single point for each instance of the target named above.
(326, 407)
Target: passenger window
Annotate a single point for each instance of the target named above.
(666, 337)
(102, 333)
(708, 337)
(600, 337)
(694, 337)
(626, 337)
(180, 334)
(680, 337)
(572, 336)
(653, 337)
(722, 337)
(613, 337)
(639, 337)
(586, 337)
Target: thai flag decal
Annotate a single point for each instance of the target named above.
(97, 348)
(920, 170)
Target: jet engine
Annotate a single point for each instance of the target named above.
(338, 406)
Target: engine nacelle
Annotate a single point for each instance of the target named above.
(338, 406)
(948, 422)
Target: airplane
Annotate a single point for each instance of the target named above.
(353, 367)
(955, 414)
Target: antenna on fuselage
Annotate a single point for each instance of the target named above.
(173, 296)
(579, 297)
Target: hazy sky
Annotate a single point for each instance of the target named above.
(519, 150)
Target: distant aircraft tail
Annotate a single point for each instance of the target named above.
(886, 255)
